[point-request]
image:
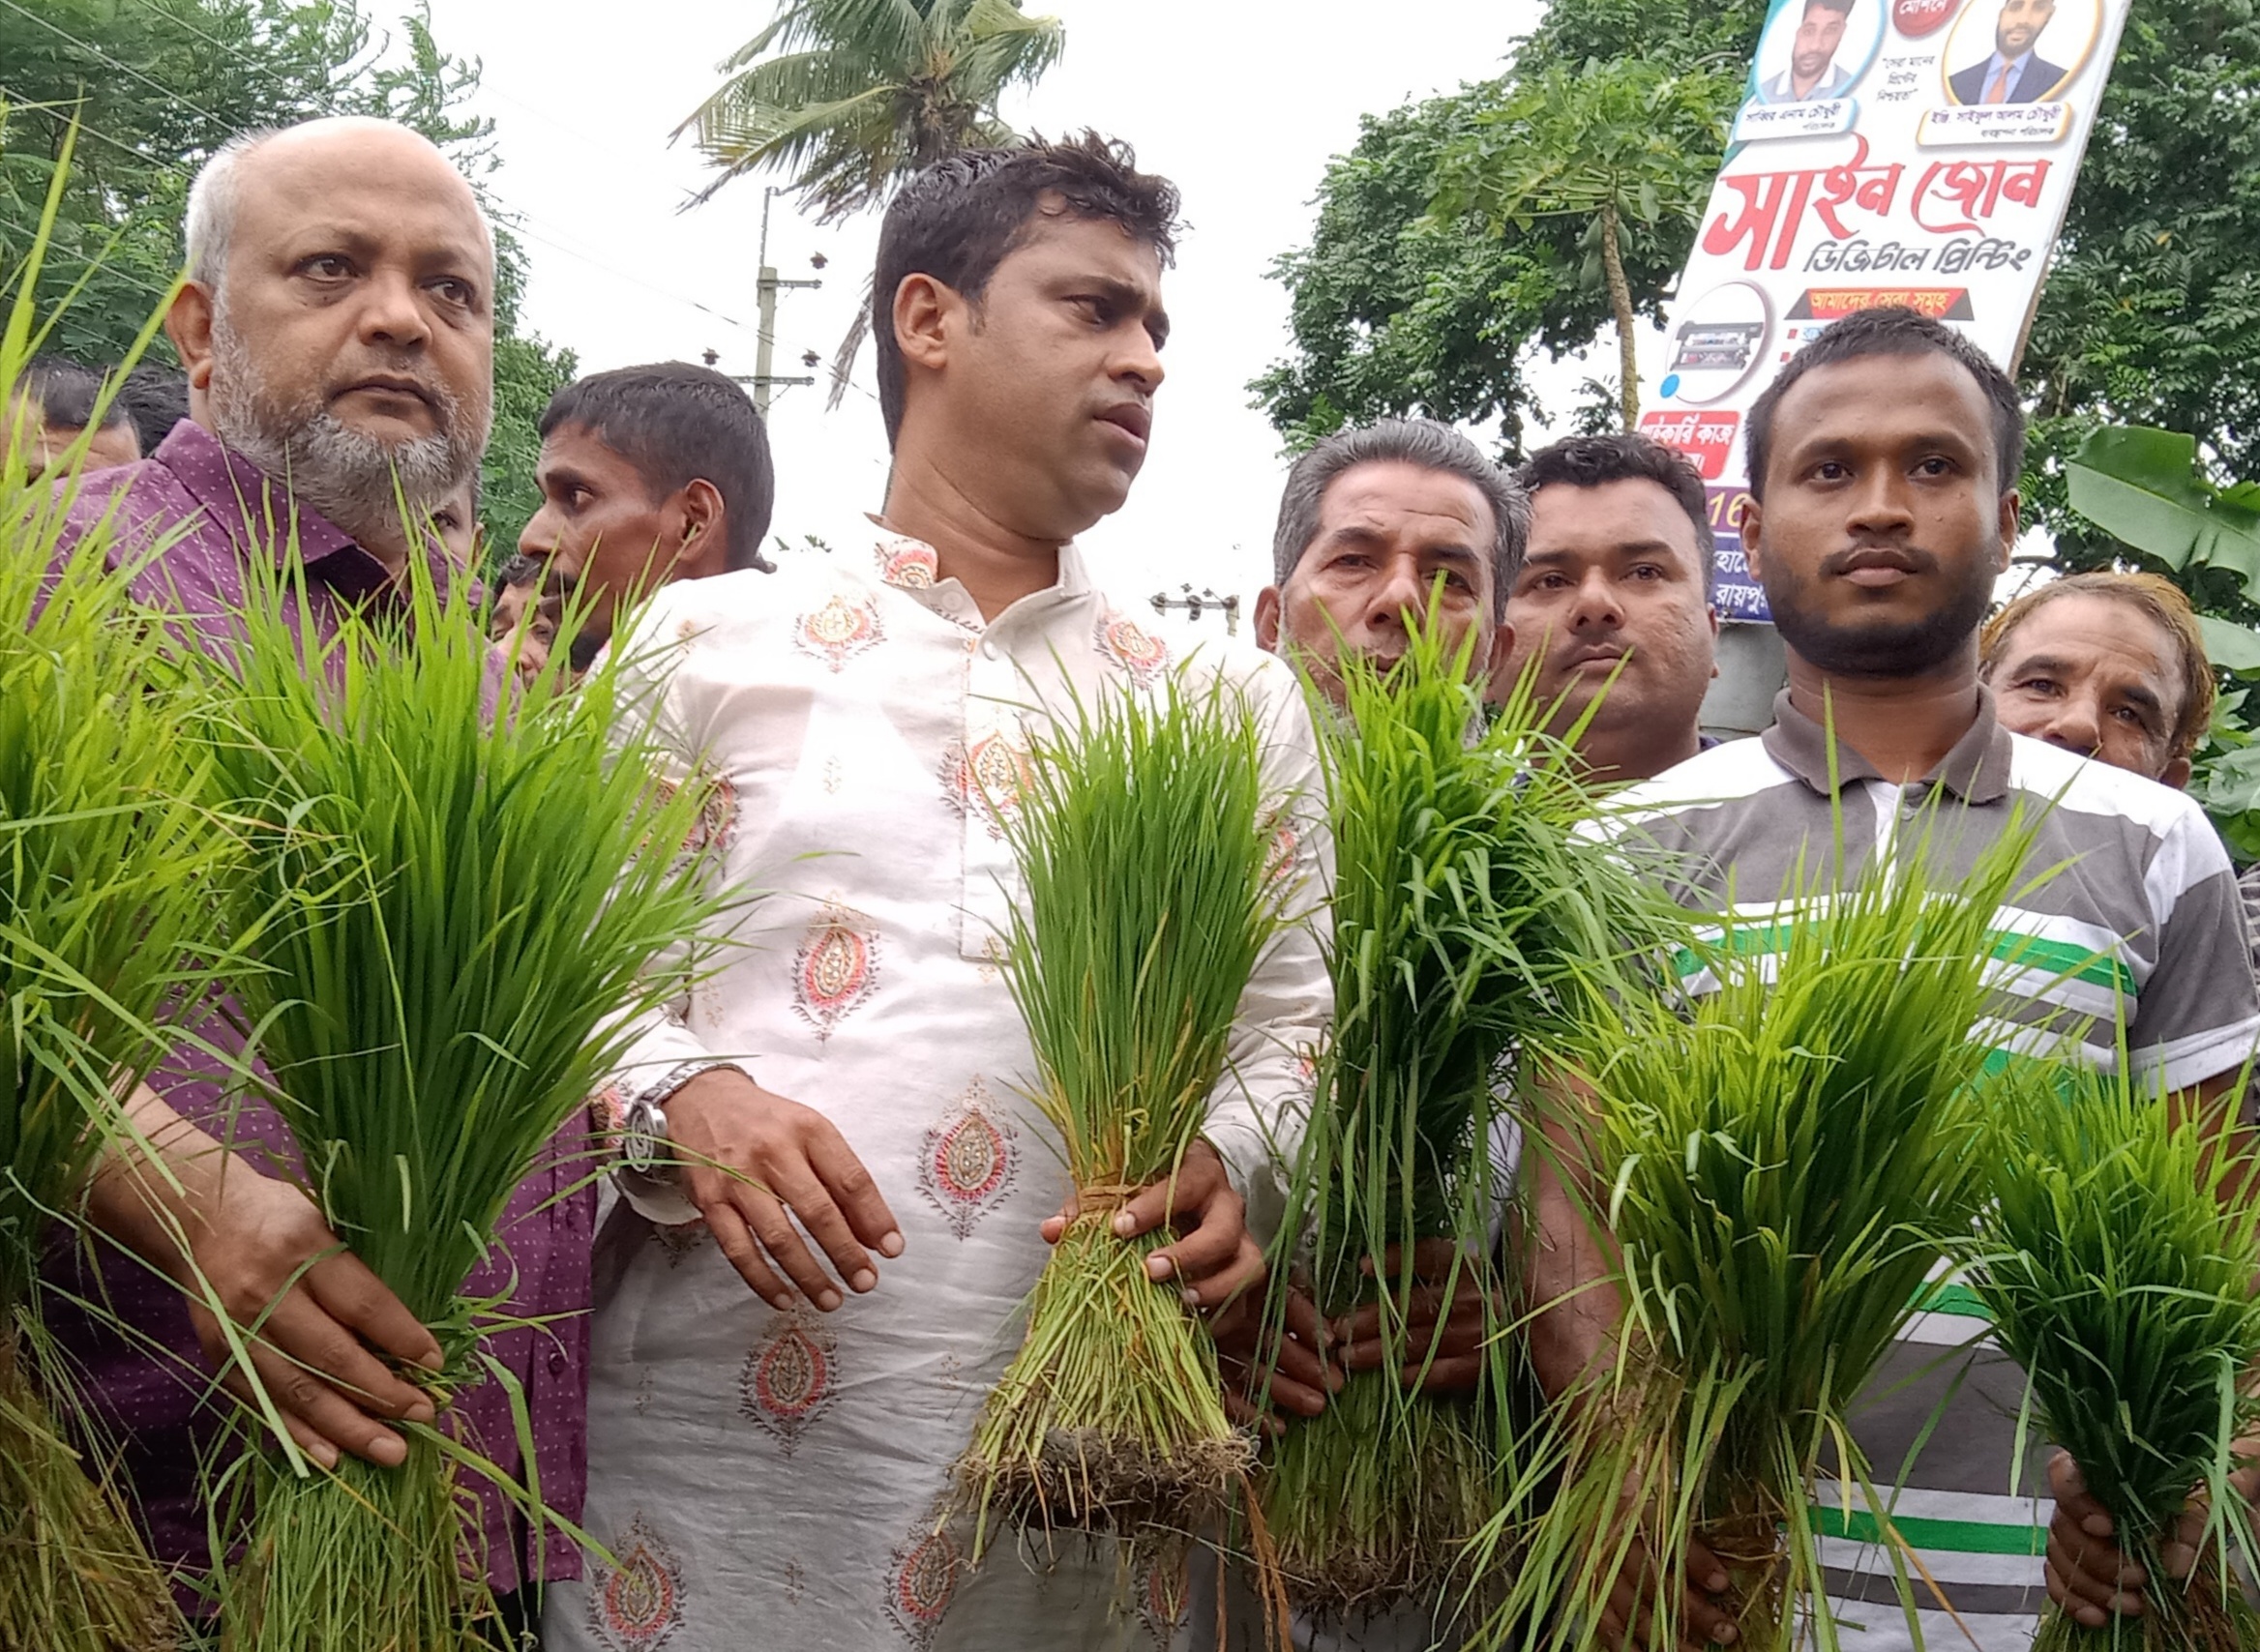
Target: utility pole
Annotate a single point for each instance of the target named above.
(766, 284)
(1197, 603)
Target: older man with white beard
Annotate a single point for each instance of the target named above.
(336, 328)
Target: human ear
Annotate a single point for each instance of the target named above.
(922, 314)
(1267, 619)
(188, 325)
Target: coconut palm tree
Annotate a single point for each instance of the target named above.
(849, 97)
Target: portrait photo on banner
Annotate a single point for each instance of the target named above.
(1815, 50)
(2018, 51)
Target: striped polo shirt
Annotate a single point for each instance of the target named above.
(2143, 919)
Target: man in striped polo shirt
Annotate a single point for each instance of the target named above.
(1883, 461)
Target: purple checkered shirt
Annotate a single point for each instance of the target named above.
(162, 1412)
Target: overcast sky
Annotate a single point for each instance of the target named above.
(1241, 102)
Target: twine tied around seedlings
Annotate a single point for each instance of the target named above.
(1096, 1202)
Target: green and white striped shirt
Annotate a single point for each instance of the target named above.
(2143, 919)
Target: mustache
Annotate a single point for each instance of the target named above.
(1838, 562)
(523, 570)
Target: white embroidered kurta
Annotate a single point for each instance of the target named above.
(772, 1479)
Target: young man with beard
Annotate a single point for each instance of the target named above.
(337, 329)
(1884, 463)
(795, 1331)
(648, 473)
(1614, 593)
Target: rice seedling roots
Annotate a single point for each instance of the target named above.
(73, 1576)
(363, 1559)
(1750, 1546)
(1375, 1499)
(1109, 1418)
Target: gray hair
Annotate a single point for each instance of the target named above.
(1421, 442)
(211, 217)
(209, 224)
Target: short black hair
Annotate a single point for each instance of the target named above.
(1625, 456)
(156, 399)
(675, 424)
(67, 392)
(1842, 7)
(1894, 330)
(961, 217)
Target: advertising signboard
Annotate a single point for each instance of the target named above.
(1916, 152)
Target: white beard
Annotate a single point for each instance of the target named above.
(367, 488)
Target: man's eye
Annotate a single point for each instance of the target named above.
(1646, 571)
(2037, 686)
(1830, 470)
(1935, 466)
(328, 267)
(454, 291)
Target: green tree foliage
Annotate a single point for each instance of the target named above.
(2151, 314)
(1396, 311)
(155, 87)
(1623, 148)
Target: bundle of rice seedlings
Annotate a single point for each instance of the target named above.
(1146, 841)
(1781, 1166)
(104, 867)
(2117, 1262)
(450, 909)
(1469, 917)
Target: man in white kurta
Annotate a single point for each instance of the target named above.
(771, 1478)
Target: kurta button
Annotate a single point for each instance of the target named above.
(989, 650)
(557, 1362)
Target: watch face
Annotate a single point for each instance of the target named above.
(642, 1133)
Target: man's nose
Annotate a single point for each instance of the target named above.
(1400, 588)
(391, 312)
(2077, 725)
(1596, 606)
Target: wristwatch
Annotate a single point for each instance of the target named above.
(645, 1146)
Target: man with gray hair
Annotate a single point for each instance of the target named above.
(337, 331)
(1370, 519)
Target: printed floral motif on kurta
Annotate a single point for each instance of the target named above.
(969, 1160)
(986, 779)
(921, 1581)
(839, 630)
(908, 563)
(638, 1605)
(835, 969)
(1131, 646)
(790, 1378)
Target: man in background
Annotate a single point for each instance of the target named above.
(2110, 666)
(1370, 520)
(156, 399)
(1614, 600)
(648, 473)
(55, 401)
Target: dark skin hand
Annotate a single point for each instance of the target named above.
(1453, 1327)
(763, 1169)
(329, 1332)
(1267, 1374)
(2089, 1576)
(1298, 1371)
(1214, 1260)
